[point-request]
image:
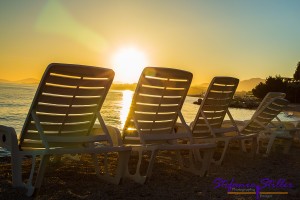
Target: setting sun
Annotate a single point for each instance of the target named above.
(128, 64)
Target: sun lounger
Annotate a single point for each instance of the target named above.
(60, 121)
(150, 125)
(274, 130)
(207, 125)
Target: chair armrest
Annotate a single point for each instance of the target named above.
(114, 133)
(8, 138)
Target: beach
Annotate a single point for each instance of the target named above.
(77, 179)
(102, 76)
(71, 179)
(294, 109)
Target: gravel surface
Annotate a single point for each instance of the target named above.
(77, 180)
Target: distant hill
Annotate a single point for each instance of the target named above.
(28, 81)
(4, 81)
(245, 85)
(22, 81)
(248, 85)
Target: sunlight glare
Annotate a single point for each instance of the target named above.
(128, 64)
(126, 101)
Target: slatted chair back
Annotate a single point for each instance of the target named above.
(65, 107)
(156, 104)
(263, 116)
(214, 107)
(269, 96)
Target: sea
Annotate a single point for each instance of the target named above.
(15, 100)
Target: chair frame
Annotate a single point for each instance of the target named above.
(37, 140)
(272, 130)
(211, 114)
(159, 84)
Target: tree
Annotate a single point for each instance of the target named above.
(279, 84)
(272, 84)
(297, 72)
(260, 90)
(295, 87)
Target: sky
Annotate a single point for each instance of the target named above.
(244, 39)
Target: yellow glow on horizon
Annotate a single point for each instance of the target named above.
(128, 64)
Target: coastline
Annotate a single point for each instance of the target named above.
(77, 180)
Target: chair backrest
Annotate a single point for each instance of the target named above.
(66, 105)
(269, 96)
(263, 116)
(156, 104)
(214, 106)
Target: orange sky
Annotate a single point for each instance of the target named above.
(244, 39)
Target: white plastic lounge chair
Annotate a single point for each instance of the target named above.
(274, 130)
(208, 122)
(65, 107)
(150, 124)
(269, 96)
(259, 122)
(207, 126)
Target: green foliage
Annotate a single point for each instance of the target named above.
(272, 84)
(297, 72)
(260, 90)
(279, 84)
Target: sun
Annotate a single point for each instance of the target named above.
(128, 63)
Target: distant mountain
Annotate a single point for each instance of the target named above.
(22, 81)
(28, 81)
(244, 86)
(248, 85)
(4, 81)
(197, 90)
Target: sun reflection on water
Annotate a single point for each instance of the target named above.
(125, 104)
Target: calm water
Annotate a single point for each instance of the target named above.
(15, 100)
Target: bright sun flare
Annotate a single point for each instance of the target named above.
(128, 63)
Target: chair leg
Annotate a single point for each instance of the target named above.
(41, 172)
(254, 147)
(122, 161)
(207, 158)
(270, 144)
(194, 156)
(219, 162)
(137, 177)
(197, 155)
(16, 159)
(16, 163)
(258, 145)
(243, 145)
(31, 188)
(180, 159)
(96, 164)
